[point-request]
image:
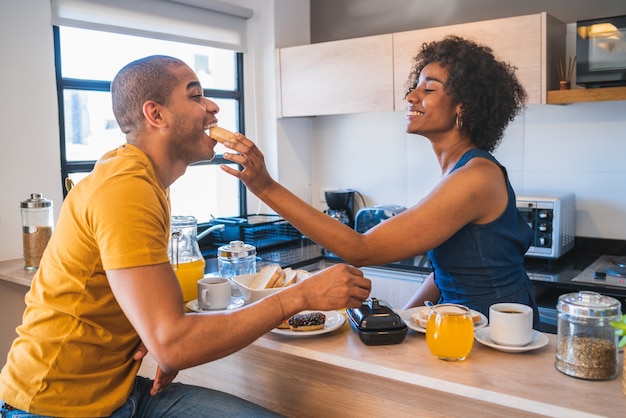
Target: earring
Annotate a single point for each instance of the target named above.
(459, 122)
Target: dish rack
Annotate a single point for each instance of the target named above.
(262, 231)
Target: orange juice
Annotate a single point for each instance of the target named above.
(450, 332)
(188, 275)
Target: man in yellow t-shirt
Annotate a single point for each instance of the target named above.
(105, 291)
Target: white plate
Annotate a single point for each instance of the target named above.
(483, 336)
(334, 320)
(235, 303)
(406, 317)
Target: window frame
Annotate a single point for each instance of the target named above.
(87, 166)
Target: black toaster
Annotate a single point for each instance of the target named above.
(377, 323)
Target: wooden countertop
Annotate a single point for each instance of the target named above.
(336, 374)
(331, 374)
(14, 271)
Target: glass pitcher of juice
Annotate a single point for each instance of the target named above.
(450, 331)
(185, 256)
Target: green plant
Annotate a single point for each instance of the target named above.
(620, 330)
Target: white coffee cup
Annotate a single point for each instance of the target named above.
(213, 293)
(511, 324)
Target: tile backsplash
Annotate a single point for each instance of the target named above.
(578, 148)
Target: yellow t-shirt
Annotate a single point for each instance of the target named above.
(73, 353)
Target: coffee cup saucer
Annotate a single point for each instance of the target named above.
(235, 303)
(483, 336)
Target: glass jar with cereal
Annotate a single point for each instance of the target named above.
(37, 225)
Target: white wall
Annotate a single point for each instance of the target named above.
(30, 157)
(578, 148)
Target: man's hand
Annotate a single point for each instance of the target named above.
(336, 287)
(162, 379)
(339, 286)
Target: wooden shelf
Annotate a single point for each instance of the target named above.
(586, 95)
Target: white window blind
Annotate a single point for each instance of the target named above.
(204, 22)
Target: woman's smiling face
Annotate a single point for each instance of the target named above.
(431, 109)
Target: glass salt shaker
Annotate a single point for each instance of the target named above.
(586, 345)
(235, 259)
(37, 226)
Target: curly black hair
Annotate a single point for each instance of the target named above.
(487, 89)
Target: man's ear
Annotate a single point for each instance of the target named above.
(152, 113)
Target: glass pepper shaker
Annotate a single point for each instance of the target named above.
(37, 226)
(235, 259)
(586, 345)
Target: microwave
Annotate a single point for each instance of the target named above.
(601, 52)
(553, 222)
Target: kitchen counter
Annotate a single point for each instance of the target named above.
(556, 272)
(13, 271)
(331, 374)
(337, 375)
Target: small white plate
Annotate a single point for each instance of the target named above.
(406, 317)
(483, 336)
(235, 303)
(334, 320)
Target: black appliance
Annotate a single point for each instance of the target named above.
(341, 205)
(601, 52)
(377, 323)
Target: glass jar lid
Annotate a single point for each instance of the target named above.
(586, 304)
(236, 249)
(36, 200)
(183, 221)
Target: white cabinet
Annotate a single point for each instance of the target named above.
(531, 43)
(349, 76)
(395, 287)
(369, 74)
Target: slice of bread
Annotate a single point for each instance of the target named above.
(266, 278)
(221, 135)
(280, 280)
(302, 275)
(290, 277)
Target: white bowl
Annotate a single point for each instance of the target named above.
(252, 295)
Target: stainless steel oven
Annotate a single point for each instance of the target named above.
(553, 221)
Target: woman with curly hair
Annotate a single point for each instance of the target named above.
(461, 99)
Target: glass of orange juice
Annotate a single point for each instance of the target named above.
(450, 331)
(188, 274)
(185, 256)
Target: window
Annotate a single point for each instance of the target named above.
(87, 61)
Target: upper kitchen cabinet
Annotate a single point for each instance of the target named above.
(348, 76)
(369, 74)
(532, 43)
